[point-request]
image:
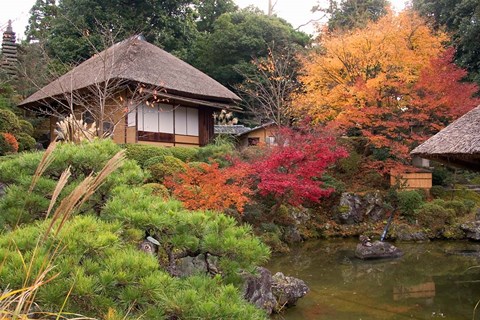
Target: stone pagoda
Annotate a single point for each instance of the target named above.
(8, 58)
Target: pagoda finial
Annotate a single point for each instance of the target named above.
(9, 27)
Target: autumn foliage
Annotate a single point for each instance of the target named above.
(11, 141)
(207, 187)
(392, 83)
(291, 171)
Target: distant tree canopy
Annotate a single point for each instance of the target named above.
(352, 14)
(213, 35)
(462, 19)
(392, 83)
(73, 28)
(239, 37)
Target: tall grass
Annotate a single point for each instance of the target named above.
(19, 303)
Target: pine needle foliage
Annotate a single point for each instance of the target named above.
(89, 263)
(33, 177)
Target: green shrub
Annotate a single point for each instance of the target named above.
(8, 121)
(26, 127)
(441, 176)
(185, 154)
(186, 231)
(433, 216)
(18, 205)
(215, 153)
(157, 189)
(25, 142)
(438, 191)
(460, 208)
(331, 182)
(142, 153)
(154, 160)
(350, 165)
(108, 275)
(168, 167)
(408, 202)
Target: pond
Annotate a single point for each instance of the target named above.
(433, 280)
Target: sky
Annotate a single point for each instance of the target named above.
(297, 12)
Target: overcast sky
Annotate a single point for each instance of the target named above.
(297, 12)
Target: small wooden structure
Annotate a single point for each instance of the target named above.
(261, 135)
(457, 145)
(411, 179)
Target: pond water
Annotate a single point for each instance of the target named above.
(433, 280)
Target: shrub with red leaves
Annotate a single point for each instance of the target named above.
(291, 172)
(10, 143)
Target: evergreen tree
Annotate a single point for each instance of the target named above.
(76, 30)
(238, 38)
(352, 14)
(42, 16)
(462, 19)
(210, 10)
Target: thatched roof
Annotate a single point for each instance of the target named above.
(138, 61)
(458, 144)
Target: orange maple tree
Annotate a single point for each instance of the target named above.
(207, 187)
(11, 141)
(392, 83)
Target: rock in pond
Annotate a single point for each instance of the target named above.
(287, 290)
(258, 290)
(273, 293)
(472, 230)
(377, 250)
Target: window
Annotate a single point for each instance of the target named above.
(270, 141)
(253, 141)
(181, 120)
(162, 121)
(166, 118)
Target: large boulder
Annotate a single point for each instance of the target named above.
(287, 290)
(377, 250)
(355, 208)
(273, 293)
(472, 230)
(258, 290)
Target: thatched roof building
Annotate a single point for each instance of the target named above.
(458, 144)
(139, 94)
(138, 61)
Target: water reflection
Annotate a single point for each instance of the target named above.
(432, 280)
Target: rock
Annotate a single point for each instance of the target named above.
(272, 294)
(355, 208)
(191, 265)
(377, 250)
(472, 230)
(287, 290)
(477, 215)
(258, 290)
(292, 235)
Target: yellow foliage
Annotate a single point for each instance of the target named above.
(362, 67)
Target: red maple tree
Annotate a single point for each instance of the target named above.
(291, 171)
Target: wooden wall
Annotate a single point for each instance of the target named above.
(412, 180)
